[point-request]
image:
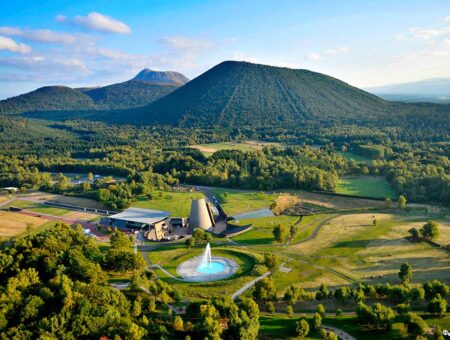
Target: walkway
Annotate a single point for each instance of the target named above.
(249, 285)
(339, 332)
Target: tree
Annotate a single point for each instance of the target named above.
(190, 242)
(119, 240)
(414, 233)
(90, 176)
(316, 321)
(272, 261)
(327, 335)
(178, 324)
(438, 305)
(289, 310)
(415, 325)
(280, 233)
(321, 310)
(405, 274)
(270, 307)
(388, 203)
(401, 202)
(265, 290)
(302, 328)
(323, 292)
(292, 231)
(430, 230)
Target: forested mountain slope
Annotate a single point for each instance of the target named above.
(244, 93)
(143, 89)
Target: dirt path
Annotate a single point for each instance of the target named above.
(315, 231)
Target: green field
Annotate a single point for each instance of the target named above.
(177, 203)
(39, 208)
(353, 156)
(237, 202)
(367, 186)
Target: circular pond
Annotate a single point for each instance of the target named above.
(218, 269)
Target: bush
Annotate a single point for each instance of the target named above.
(415, 325)
(302, 328)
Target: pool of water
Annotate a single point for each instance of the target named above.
(212, 268)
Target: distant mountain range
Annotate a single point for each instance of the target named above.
(143, 89)
(234, 94)
(435, 90)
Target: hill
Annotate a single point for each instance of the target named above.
(161, 77)
(129, 94)
(48, 98)
(243, 93)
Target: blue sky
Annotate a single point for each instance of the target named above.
(91, 42)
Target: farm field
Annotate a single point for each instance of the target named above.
(14, 224)
(177, 203)
(368, 186)
(209, 149)
(238, 202)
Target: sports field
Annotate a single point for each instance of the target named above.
(367, 186)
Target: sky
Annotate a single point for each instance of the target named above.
(98, 42)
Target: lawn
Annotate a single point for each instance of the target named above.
(362, 251)
(175, 202)
(238, 202)
(367, 186)
(39, 208)
(170, 256)
(357, 158)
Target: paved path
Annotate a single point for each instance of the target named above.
(249, 285)
(165, 272)
(339, 332)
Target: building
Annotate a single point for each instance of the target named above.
(200, 216)
(155, 223)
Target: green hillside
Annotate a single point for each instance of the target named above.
(49, 98)
(245, 93)
(129, 94)
(67, 101)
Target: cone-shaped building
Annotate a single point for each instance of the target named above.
(200, 216)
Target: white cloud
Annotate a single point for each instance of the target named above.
(39, 35)
(10, 45)
(60, 18)
(447, 18)
(313, 56)
(98, 22)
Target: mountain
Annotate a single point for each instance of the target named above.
(234, 93)
(48, 98)
(161, 77)
(430, 90)
(129, 94)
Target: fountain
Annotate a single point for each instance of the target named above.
(207, 267)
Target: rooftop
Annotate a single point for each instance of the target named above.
(139, 215)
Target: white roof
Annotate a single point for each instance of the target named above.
(147, 216)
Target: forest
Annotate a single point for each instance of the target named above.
(154, 157)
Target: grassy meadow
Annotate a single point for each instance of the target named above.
(368, 186)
